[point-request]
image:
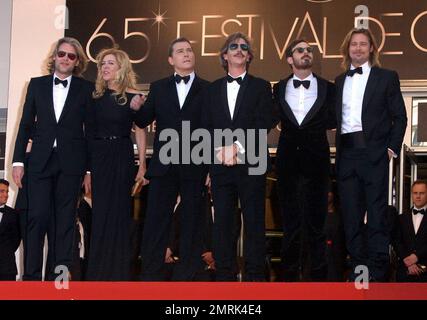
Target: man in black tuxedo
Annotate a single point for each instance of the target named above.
(54, 113)
(175, 103)
(371, 123)
(10, 237)
(306, 105)
(412, 238)
(241, 104)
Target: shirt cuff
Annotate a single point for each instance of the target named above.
(240, 148)
(392, 152)
(17, 164)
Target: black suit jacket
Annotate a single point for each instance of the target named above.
(383, 113)
(162, 105)
(408, 242)
(10, 239)
(305, 147)
(38, 122)
(253, 110)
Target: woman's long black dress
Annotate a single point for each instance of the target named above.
(112, 172)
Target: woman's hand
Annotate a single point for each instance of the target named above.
(137, 101)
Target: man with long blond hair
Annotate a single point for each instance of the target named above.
(371, 123)
(54, 116)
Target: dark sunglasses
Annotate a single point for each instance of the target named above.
(62, 54)
(301, 49)
(234, 46)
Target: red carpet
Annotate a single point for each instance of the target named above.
(209, 291)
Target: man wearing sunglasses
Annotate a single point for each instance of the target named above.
(238, 101)
(371, 124)
(305, 103)
(54, 116)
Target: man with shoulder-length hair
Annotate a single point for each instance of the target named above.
(239, 102)
(371, 123)
(54, 116)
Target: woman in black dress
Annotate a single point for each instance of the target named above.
(113, 167)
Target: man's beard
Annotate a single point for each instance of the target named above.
(304, 64)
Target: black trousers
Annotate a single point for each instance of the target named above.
(52, 197)
(162, 197)
(363, 187)
(250, 190)
(7, 277)
(303, 204)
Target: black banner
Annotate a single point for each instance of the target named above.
(144, 28)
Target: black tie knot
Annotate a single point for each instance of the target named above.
(422, 211)
(304, 83)
(178, 78)
(230, 79)
(351, 73)
(63, 82)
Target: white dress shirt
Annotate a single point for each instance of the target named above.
(1, 213)
(183, 88)
(59, 96)
(232, 92)
(300, 99)
(417, 218)
(352, 99)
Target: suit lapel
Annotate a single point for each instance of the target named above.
(2, 222)
(370, 88)
(285, 106)
(223, 97)
(174, 94)
(241, 95)
(340, 88)
(192, 92)
(423, 225)
(410, 226)
(321, 96)
(48, 90)
(72, 95)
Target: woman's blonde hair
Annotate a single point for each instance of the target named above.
(374, 60)
(125, 76)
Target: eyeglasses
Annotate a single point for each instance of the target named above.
(301, 49)
(71, 56)
(234, 46)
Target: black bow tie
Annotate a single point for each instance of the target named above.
(63, 82)
(351, 73)
(230, 79)
(304, 83)
(422, 211)
(178, 78)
